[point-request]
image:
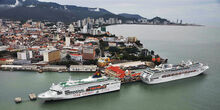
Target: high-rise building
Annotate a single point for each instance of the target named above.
(88, 52)
(132, 39)
(79, 23)
(71, 28)
(85, 29)
(0, 22)
(67, 41)
(51, 55)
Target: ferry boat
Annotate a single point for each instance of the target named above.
(170, 72)
(70, 89)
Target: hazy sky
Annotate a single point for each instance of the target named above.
(191, 11)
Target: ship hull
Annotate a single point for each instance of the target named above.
(111, 86)
(173, 78)
(74, 97)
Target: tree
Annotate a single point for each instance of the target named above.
(68, 57)
(113, 49)
(152, 52)
(149, 58)
(131, 50)
(144, 52)
(139, 43)
(157, 56)
(103, 44)
(90, 62)
(97, 51)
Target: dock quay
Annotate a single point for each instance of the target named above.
(49, 68)
(134, 65)
(54, 68)
(83, 68)
(19, 67)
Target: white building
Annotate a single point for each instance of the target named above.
(25, 55)
(71, 28)
(79, 23)
(85, 29)
(76, 57)
(67, 41)
(109, 39)
(112, 44)
(3, 48)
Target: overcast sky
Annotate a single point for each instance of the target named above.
(205, 12)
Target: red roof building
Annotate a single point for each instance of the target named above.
(116, 71)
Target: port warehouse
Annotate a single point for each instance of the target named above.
(123, 70)
(124, 75)
(52, 68)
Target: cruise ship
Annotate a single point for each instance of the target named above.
(170, 72)
(70, 89)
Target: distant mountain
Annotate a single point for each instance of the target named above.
(131, 16)
(159, 20)
(34, 9)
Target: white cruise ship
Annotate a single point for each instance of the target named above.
(95, 84)
(169, 72)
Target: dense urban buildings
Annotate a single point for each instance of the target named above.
(56, 43)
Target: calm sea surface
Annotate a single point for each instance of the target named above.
(176, 43)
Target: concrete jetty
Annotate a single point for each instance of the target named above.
(83, 68)
(18, 100)
(32, 97)
(135, 65)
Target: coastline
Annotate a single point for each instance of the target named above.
(156, 24)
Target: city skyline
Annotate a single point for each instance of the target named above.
(203, 12)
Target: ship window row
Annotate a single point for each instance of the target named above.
(177, 69)
(96, 88)
(156, 78)
(177, 73)
(73, 92)
(58, 92)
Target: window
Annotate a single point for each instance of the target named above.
(59, 92)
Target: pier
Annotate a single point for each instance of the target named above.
(83, 68)
(54, 68)
(135, 65)
(18, 100)
(49, 68)
(32, 97)
(19, 67)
